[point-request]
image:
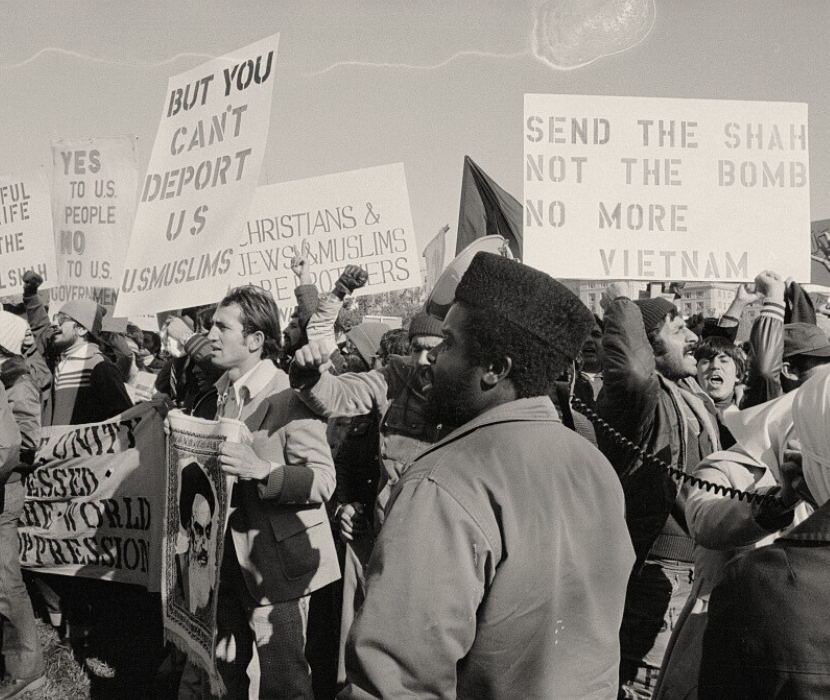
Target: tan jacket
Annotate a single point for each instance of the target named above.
(500, 571)
(280, 530)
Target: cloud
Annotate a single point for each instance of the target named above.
(411, 66)
(568, 34)
(106, 61)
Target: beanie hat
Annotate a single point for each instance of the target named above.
(528, 298)
(86, 313)
(12, 331)
(424, 324)
(654, 311)
(366, 338)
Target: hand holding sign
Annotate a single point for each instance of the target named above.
(239, 459)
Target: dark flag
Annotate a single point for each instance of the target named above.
(487, 210)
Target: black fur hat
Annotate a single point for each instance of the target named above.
(528, 298)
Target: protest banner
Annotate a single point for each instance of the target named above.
(665, 189)
(196, 514)
(202, 173)
(360, 217)
(95, 502)
(25, 231)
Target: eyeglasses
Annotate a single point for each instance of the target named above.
(60, 318)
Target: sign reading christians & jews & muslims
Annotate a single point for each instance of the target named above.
(665, 189)
(360, 217)
(202, 173)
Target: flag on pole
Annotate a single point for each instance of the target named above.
(487, 210)
(434, 255)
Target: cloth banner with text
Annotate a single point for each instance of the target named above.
(360, 217)
(196, 514)
(25, 231)
(665, 189)
(202, 174)
(94, 504)
(94, 190)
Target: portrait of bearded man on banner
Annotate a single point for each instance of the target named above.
(196, 565)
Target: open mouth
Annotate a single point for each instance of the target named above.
(715, 380)
(425, 375)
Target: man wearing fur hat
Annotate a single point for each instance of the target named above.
(647, 396)
(500, 571)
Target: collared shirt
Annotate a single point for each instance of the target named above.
(241, 392)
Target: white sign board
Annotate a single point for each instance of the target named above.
(665, 189)
(202, 174)
(94, 184)
(25, 231)
(360, 217)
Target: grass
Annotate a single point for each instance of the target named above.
(82, 674)
(66, 679)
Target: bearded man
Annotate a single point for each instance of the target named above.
(500, 571)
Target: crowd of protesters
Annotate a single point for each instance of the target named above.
(519, 500)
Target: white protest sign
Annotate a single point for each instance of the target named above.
(360, 217)
(25, 231)
(94, 184)
(665, 189)
(202, 173)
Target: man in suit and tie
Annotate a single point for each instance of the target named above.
(278, 546)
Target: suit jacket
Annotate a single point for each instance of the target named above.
(281, 536)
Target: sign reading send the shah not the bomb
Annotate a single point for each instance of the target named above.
(202, 173)
(665, 189)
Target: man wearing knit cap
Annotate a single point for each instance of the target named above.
(87, 387)
(648, 397)
(22, 653)
(501, 569)
(395, 391)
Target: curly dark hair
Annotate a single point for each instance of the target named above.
(490, 337)
(258, 312)
(393, 342)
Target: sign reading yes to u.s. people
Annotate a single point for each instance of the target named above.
(360, 217)
(665, 189)
(202, 173)
(25, 231)
(93, 192)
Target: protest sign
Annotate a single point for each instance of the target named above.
(665, 189)
(202, 173)
(95, 501)
(360, 217)
(196, 514)
(25, 231)
(94, 184)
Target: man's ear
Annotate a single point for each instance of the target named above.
(497, 371)
(788, 372)
(255, 341)
(83, 332)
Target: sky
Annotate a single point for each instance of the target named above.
(362, 83)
